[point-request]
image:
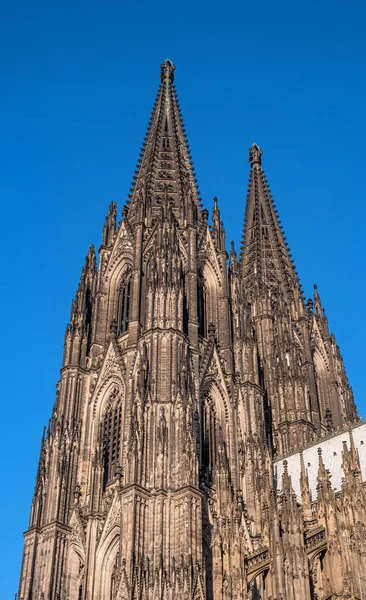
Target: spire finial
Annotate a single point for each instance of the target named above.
(255, 154)
(167, 71)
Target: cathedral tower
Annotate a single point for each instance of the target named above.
(185, 370)
(302, 372)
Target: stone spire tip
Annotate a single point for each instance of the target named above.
(167, 71)
(255, 154)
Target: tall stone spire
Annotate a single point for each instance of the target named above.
(165, 168)
(265, 256)
(271, 284)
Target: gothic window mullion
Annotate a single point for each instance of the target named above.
(202, 307)
(121, 309)
(113, 442)
(205, 456)
(124, 305)
(127, 311)
(107, 448)
(110, 425)
(118, 448)
(208, 441)
(205, 310)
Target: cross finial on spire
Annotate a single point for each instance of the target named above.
(167, 71)
(255, 154)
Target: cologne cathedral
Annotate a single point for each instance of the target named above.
(204, 443)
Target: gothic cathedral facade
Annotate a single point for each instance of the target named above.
(186, 372)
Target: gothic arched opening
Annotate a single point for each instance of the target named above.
(213, 443)
(208, 439)
(201, 306)
(88, 320)
(124, 304)
(112, 423)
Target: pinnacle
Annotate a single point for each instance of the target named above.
(90, 257)
(302, 463)
(232, 249)
(320, 457)
(286, 478)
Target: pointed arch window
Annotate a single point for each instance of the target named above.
(166, 144)
(112, 439)
(88, 320)
(209, 446)
(124, 304)
(202, 306)
(185, 319)
(214, 454)
(265, 234)
(185, 314)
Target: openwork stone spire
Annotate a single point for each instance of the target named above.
(266, 260)
(165, 168)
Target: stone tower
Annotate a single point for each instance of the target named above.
(184, 377)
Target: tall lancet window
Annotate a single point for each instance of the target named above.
(209, 439)
(112, 438)
(88, 319)
(124, 304)
(185, 314)
(185, 319)
(202, 306)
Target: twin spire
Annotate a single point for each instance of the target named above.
(165, 175)
(265, 257)
(164, 172)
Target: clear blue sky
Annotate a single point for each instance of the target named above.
(78, 81)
